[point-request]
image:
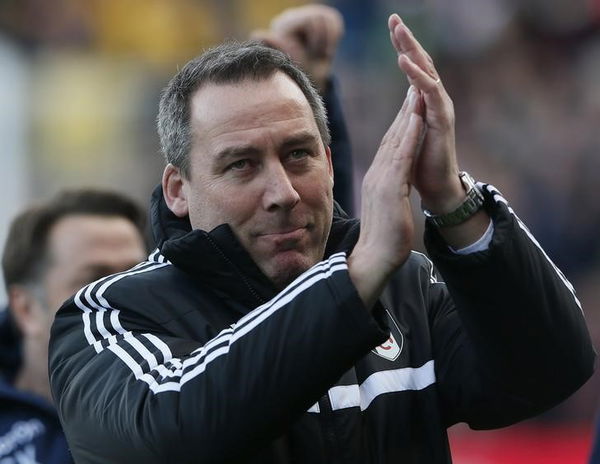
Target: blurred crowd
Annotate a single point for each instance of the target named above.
(80, 80)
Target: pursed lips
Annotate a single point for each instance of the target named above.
(291, 231)
(284, 237)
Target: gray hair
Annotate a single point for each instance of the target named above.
(228, 63)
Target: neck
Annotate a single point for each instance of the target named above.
(33, 374)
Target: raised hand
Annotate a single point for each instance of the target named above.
(310, 35)
(436, 170)
(387, 229)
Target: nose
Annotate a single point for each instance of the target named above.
(279, 190)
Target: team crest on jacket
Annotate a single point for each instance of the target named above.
(392, 347)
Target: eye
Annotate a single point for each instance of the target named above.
(298, 154)
(239, 165)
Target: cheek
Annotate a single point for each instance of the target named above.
(220, 205)
(318, 191)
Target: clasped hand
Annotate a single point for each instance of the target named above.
(418, 149)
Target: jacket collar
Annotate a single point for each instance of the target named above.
(218, 258)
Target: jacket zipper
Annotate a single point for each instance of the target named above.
(253, 292)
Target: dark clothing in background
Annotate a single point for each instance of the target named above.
(30, 432)
(10, 347)
(341, 152)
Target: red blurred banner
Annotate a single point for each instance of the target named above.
(522, 444)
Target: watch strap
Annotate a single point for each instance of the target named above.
(471, 204)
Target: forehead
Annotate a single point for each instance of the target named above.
(80, 237)
(222, 110)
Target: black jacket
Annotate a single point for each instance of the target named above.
(193, 356)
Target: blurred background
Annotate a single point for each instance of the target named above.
(79, 89)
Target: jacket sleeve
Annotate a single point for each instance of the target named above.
(128, 393)
(510, 338)
(341, 151)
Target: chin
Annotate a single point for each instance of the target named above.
(286, 269)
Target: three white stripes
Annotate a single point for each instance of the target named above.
(202, 356)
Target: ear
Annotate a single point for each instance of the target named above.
(330, 163)
(173, 191)
(26, 310)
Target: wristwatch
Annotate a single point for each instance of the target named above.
(465, 210)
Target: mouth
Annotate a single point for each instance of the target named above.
(292, 233)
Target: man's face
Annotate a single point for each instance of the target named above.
(258, 163)
(83, 248)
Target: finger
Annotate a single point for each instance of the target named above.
(420, 106)
(317, 36)
(396, 128)
(399, 123)
(330, 39)
(420, 79)
(335, 30)
(399, 126)
(298, 21)
(406, 155)
(405, 43)
(289, 20)
(435, 106)
(267, 38)
(420, 141)
(294, 20)
(406, 101)
(393, 21)
(393, 136)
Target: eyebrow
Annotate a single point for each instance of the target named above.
(300, 138)
(236, 151)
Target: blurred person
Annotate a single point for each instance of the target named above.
(269, 327)
(52, 249)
